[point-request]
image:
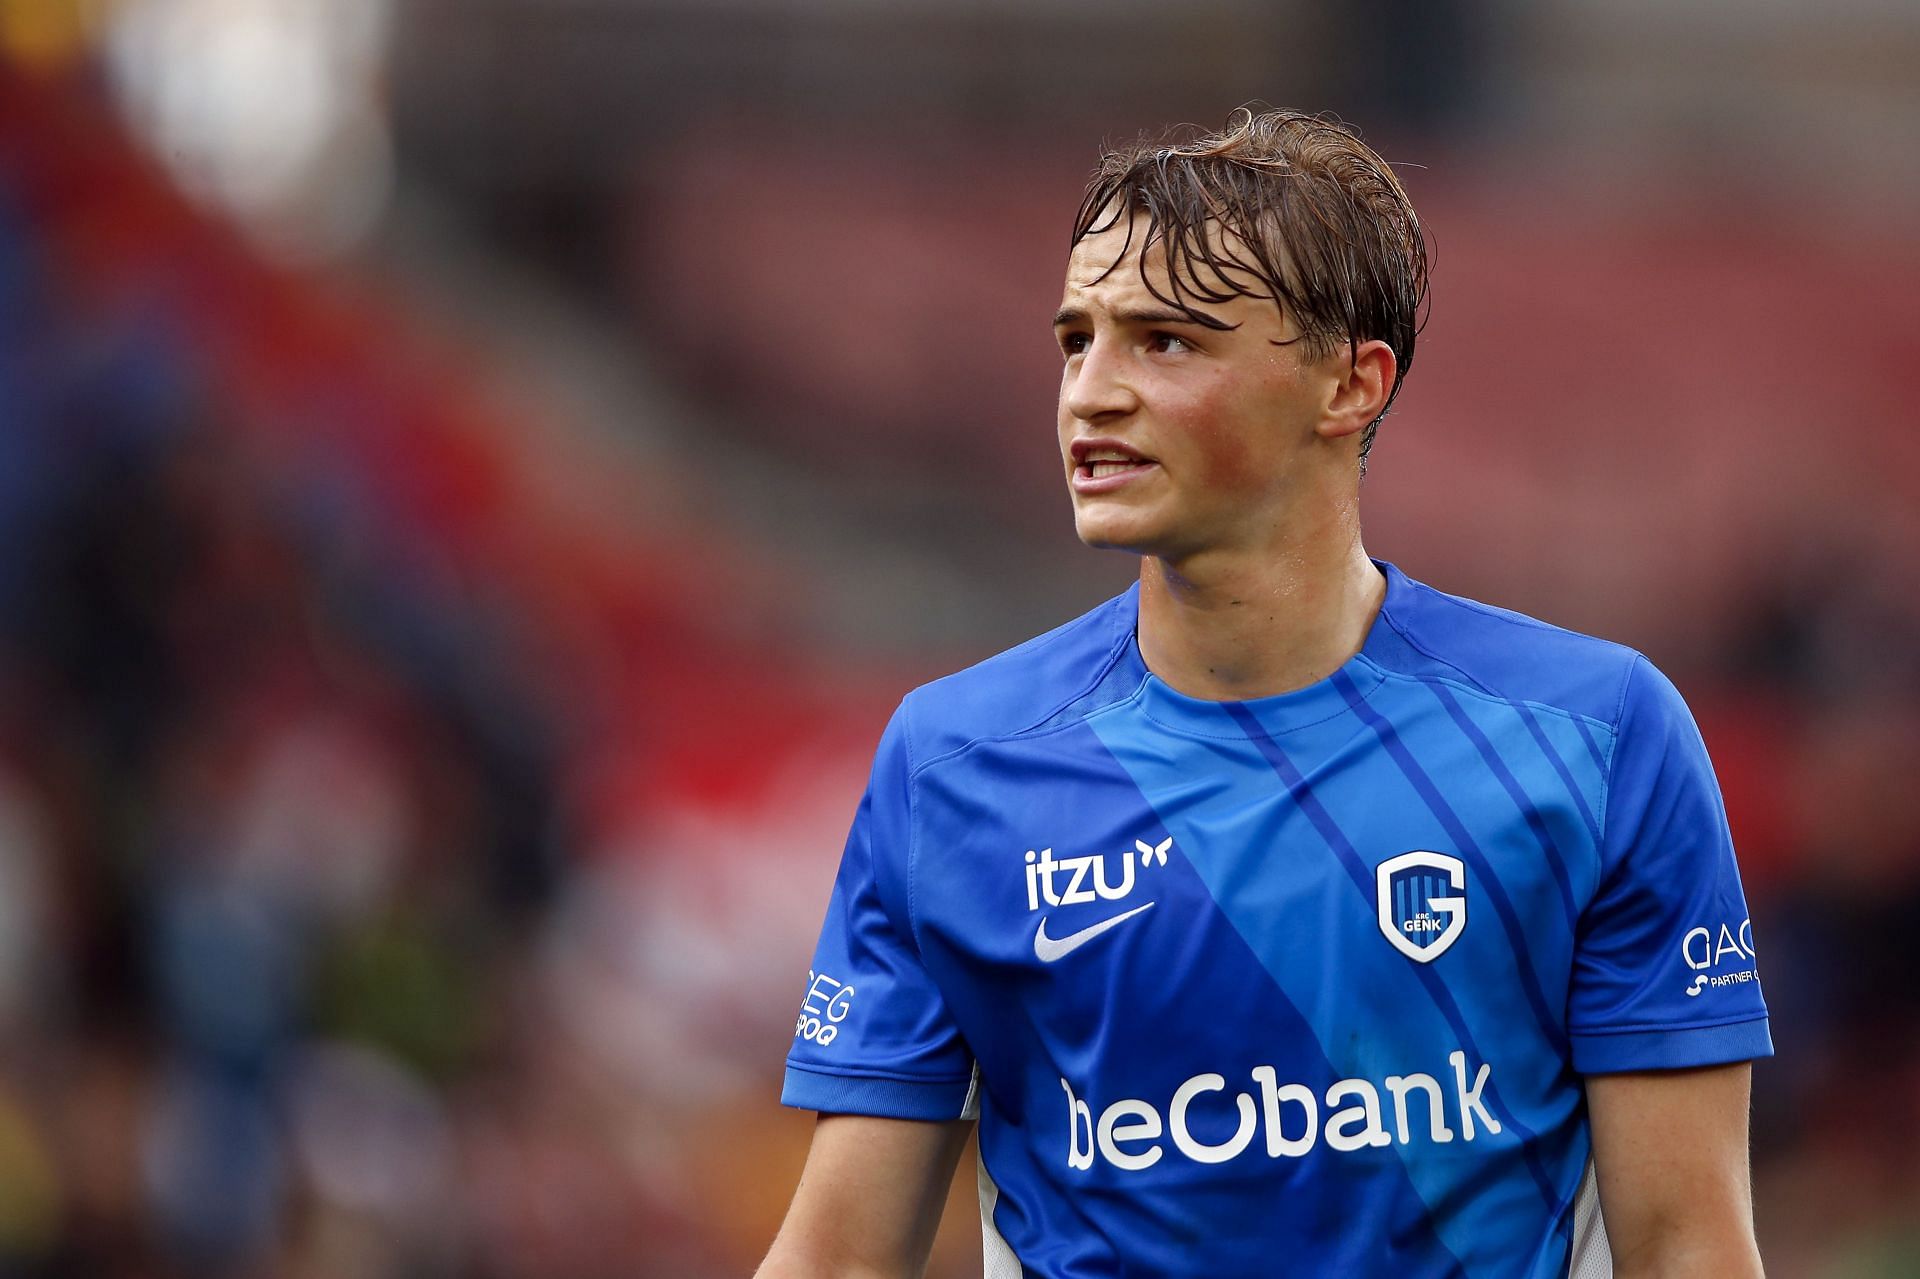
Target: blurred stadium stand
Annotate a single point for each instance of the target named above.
(439, 655)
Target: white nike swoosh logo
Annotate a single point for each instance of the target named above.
(1048, 949)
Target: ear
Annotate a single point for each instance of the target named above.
(1359, 388)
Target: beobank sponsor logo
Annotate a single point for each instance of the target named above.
(1714, 953)
(1132, 1134)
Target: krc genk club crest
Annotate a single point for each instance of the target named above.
(1423, 903)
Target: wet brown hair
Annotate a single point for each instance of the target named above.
(1310, 212)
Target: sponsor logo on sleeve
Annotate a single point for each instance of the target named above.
(1719, 956)
(826, 1005)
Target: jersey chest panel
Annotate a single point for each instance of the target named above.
(1134, 900)
(1164, 955)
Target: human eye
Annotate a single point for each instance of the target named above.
(1074, 343)
(1167, 343)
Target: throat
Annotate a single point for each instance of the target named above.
(1243, 640)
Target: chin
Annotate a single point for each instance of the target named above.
(1104, 533)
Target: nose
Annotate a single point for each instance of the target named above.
(1097, 384)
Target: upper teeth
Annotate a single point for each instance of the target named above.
(1109, 455)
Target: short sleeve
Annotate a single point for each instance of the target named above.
(874, 1036)
(1665, 973)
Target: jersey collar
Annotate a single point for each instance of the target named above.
(1285, 712)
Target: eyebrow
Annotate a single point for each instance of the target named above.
(1145, 315)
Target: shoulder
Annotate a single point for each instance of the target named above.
(1023, 688)
(1507, 655)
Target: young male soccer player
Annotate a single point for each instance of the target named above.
(1283, 916)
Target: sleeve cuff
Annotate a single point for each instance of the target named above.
(807, 1089)
(1600, 1053)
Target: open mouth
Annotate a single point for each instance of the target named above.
(1097, 460)
(1102, 469)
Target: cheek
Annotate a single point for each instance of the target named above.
(1226, 457)
(1223, 441)
(1064, 425)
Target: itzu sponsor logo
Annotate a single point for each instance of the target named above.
(1132, 1134)
(1068, 881)
(1706, 950)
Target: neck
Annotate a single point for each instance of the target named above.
(1229, 627)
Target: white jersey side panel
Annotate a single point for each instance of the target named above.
(1592, 1258)
(1000, 1261)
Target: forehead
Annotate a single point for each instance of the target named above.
(1117, 265)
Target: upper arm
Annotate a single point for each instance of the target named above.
(1664, 975)
(1670, 1154)
(875, 1035)
(1665, 1010)
(879, 1054)
(869, 1199)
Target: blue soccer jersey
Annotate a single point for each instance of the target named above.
(1299, 985)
